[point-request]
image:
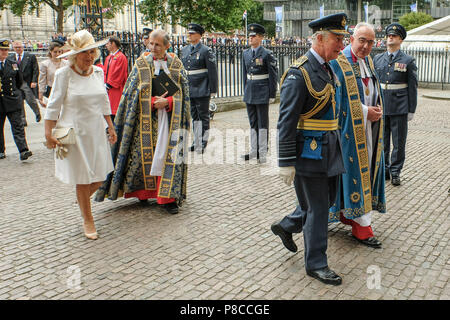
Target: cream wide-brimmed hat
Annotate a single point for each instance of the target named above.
(81, 41)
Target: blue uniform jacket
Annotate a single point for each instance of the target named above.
(259, 91)
(200, 57)
(293, 143)
(401, 70)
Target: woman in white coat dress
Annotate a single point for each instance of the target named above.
(79, 100)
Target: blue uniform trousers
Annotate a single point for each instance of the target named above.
(315, 196)
(397, 127)
(200, 119)
(258, 116)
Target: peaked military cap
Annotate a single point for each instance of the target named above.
(254, 29)
(146, 32)
(195, 28)
(396, 29)
(334, 23)
(4, 44)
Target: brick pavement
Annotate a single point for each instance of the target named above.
(220, 245)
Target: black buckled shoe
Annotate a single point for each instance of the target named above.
(286, 237)
(2, 155)
(395, 180)
(171, 208)
(25, 155)
(370, 242)
(325, 275)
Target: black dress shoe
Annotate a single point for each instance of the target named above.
(325, 275)
(395, 180)
(2, 155)
(191, 148)
(250, 156)
(25, 155)
(38, 117)
(171, 208)
(370, 242)
(286, 237)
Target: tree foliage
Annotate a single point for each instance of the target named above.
(20, 7)
(414, 20)
(213, 15)
(256, 15)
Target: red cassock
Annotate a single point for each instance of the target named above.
(116, 73)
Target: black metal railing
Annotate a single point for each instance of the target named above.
(433, 63)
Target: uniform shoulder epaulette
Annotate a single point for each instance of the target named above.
(299, 62)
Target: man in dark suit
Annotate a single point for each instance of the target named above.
(398, 80)
(11, 102)
(260, 87)
(28, 65)
(309, 147)
(200, 64)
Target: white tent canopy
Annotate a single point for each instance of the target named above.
(435, 34)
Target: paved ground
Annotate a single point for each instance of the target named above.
(220, 246)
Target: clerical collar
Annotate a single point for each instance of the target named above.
(317, 56)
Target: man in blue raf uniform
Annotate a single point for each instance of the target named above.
(260, 85)
(398, 77)
(200, 64)
(309, 147)
(11, 102)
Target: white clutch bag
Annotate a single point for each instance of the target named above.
(64, 135)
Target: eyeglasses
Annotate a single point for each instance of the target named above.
(363, 41)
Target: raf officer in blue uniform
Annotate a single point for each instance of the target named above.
(260, 87)
(200, 64)
(11, 102)
(398, 80)
(309, 147)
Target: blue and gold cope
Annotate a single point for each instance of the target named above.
(361, 187)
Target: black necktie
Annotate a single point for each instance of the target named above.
(253, 53)
(391, 56)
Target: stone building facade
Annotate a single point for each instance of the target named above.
(41, 25)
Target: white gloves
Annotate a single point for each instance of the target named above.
(271, 100)
(287, 174)
(410, 116)
(61, 152)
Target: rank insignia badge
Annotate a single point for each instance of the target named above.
(15, 67)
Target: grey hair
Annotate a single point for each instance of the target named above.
(363, 24)
(324, 33)
(161, 34)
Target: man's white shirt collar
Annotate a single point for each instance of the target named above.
(317, 56)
